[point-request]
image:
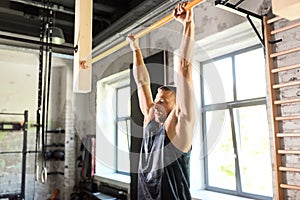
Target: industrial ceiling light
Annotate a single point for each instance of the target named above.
(57, 36)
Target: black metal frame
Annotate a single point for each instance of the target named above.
(230, 106)
(248, 14)
(36, 42)
(24, 152)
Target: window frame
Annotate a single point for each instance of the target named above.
(117, 120)
(230, 106)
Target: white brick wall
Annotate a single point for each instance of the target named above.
(290, 39)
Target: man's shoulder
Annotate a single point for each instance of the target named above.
(149, 116)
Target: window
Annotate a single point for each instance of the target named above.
(123, 129)
(235, 125)
(113, 125)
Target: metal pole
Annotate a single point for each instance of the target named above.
(6, 37)
(256, 31)
(23, 181)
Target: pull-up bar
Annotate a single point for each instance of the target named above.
(83, 37)
(144, 32)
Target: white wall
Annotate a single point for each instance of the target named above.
(19, 92)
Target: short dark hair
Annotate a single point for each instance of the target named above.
(168, 88)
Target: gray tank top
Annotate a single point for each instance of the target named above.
(163, 169)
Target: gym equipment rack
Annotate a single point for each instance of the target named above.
(17, 126)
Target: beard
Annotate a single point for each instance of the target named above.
(160, 116)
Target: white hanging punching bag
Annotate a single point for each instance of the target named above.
(82, 73)
(289, 9)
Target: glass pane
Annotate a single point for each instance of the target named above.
(123, 104)
(123, 145)
(218, 82)
(250, 75)
(254, 149)
(221, 159)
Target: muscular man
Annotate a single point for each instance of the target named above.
(168, 121)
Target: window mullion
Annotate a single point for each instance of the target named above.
(236, 154)
(234, 136)
(234, 78)
(119, 120)
(202, 85)
(116, 131)
(204, 128)
(204, 139)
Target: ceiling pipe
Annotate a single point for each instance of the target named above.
(125, 21)
(143, 32)
(57, 8)
(109, 37)
(29, 41)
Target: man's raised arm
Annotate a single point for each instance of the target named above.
(185, 90)
(141, 76)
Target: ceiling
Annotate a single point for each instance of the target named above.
(109, 16)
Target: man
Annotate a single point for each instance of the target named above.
(168, 121)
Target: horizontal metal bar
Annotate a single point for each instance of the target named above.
(293, 187)
(56, 131)
(123, 118)
(238, 3)
(275, 41)
(280, 69)
(55, 173)
(11, 126)
(55, 145)
(285, 28)
(281, 85)
(33, 151)
(235, 104)
(14, 195)
(6, 37)
(11, 113)
(11, 152)
(238, 9)
(16, 152)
